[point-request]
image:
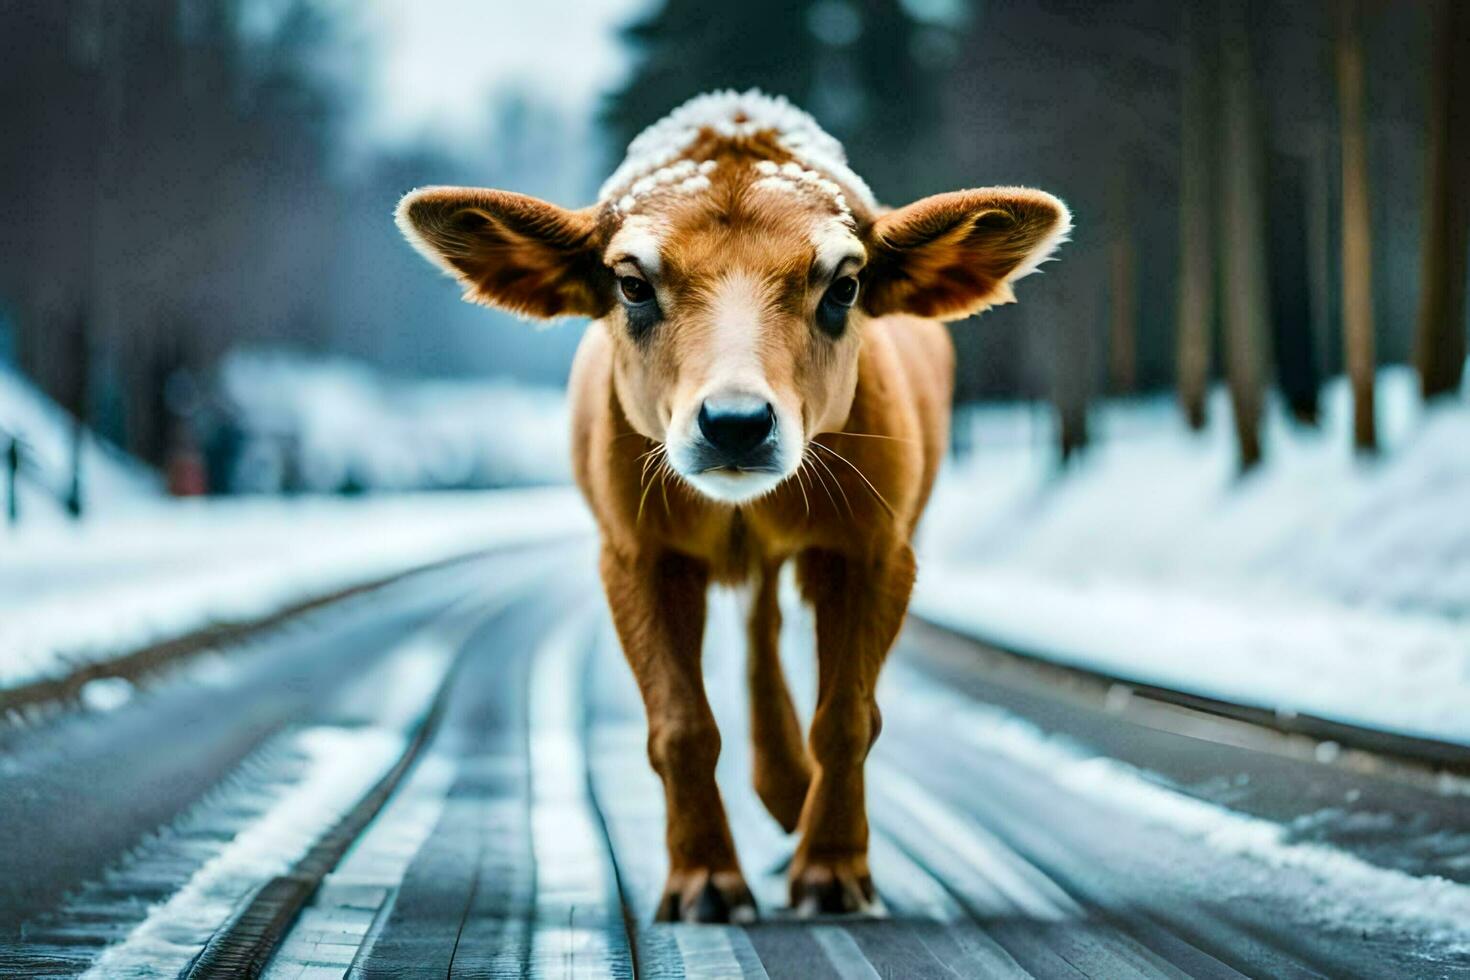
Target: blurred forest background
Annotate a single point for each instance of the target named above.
(1267, 193)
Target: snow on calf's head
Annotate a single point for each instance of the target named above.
(732, 121)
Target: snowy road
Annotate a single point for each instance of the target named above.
(446, 777)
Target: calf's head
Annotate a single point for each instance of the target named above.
(734, 260)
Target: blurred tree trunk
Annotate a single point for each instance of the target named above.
(1439, 350)
(1123, 335)
(78, 400)
(1123, 286)
(1322, 265)
(1243, 244)
(1072, 319)
(1357, 238)
(1196, 316)
(1292, 338)
(1072, 427)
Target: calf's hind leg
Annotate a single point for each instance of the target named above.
(782, 771)
(658, 607)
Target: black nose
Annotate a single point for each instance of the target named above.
(734, 432)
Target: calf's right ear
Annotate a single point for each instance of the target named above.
(510, 251)
(952, 255)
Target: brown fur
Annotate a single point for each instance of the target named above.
(873, 410)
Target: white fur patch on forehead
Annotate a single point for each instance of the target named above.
(835, 244)
(640, 238)
(732, 115)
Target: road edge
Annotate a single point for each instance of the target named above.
(1299, 735)
(16, 703)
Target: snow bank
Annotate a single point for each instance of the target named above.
(112, 480)
(71, 594)
(1322, 583)
(323, 425)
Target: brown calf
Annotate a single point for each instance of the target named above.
(767, 377)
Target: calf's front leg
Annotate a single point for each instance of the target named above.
(658, 607)
(859, 605)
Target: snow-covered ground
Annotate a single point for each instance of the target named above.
(72, 594)
(1320, 584)
(339, 423)
(112, 480)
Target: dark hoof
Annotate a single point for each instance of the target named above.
(822, 890)
(703, 897)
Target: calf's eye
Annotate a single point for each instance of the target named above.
(639, 305)
(836, 302)
(635, 291)
(844, 291)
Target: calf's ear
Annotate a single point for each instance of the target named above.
(510, 251)
(955, 254)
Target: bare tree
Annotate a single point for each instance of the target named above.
(1293, 344)
(1069, 316)
(1123, 285)
(1439, 349)
(1322, 264)
(1357, 236)
(1196, 284)
(1244, 292)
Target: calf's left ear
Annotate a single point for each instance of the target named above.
(952, 255)
(510, 251)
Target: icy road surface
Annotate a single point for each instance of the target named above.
(446, 778)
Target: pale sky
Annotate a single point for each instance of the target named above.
(437, 61)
